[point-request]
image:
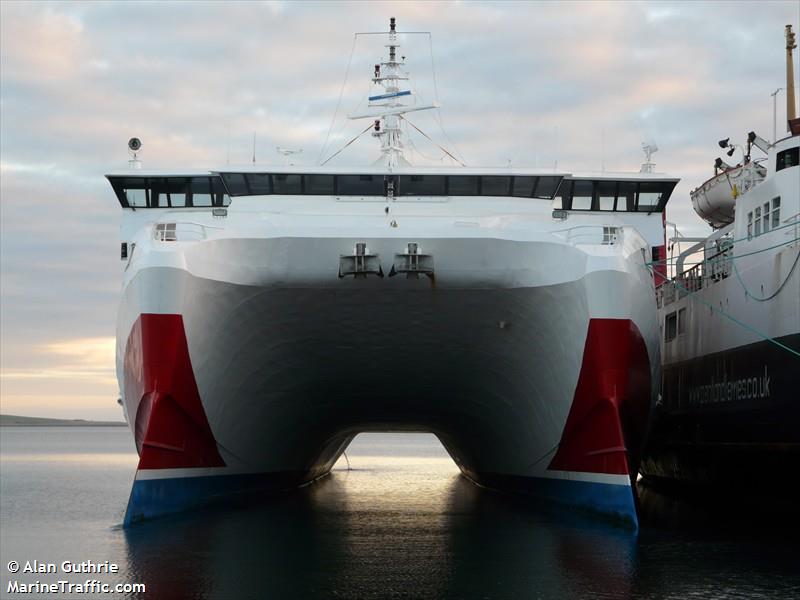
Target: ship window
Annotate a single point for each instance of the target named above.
(463, 185)
(201, 191)
(283, 183)
(236, 184)
(422, 185)
(758, 221)
(360, 185)
(221, 197)
(523, 187)
(582, 195)
(494, 185)
(546, 187)
(564, 191)
(649, 196)
(787, 158)
(131, 191)
(765, 218)
(681, 321)
(670, 327)
(321, 185)
(750, 225)
(776, 212)
(626, 196)
(606, 190)
(178, 188)
(259, 184)
(169, 192)
(161, 188)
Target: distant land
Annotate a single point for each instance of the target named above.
(18, 421)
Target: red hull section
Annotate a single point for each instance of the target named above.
(171, 428)
(606, 422)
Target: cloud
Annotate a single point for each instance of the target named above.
(581, 83)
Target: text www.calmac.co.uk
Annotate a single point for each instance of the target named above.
(90, 586)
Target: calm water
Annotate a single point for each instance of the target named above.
(400, 523)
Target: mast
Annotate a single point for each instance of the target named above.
(387, 107)
(791, 115)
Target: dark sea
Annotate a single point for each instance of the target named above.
(399, 523)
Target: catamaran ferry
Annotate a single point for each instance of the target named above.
(270, 315)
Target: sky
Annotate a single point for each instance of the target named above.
(577, 84)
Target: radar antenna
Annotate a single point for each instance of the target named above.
(386, 104)
(649, 149)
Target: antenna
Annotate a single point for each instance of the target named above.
(649, 149)
(386, 107)
(228, 144)
(254, 147)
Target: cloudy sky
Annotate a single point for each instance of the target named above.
(580, 83)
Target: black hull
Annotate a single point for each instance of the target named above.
(730, 419)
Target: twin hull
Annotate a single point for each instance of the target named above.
(248, 364)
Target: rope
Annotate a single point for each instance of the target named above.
(776, 292)
(721, 256)
(431, 141)
(437, 112)
(338, 104)
(346, 145)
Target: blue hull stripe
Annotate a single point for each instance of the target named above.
(152, 498)
(616, 501)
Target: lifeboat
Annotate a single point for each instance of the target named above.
(714, 200)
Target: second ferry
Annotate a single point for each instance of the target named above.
(270, 315)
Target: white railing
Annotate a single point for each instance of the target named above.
(181, 231)
(603, 235)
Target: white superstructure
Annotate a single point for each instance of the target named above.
(268, 315)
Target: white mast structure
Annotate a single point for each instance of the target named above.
(388, 107)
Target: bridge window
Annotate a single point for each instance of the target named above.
(463, 185)
(236, 184)
(259, 184)
(132, 191)
(626, 196)
(750, 225)
(320, 185)
(649, 196)
(284, 183)
(546, 187)
(606, 193)
(169, 192)
(564, 194)
(787, 158)
(201, 191)
(422, 185)
(757, 222)
(582, 195)
(494, 185)
(523, 187)
(360, 185)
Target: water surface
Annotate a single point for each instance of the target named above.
(399, 523)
